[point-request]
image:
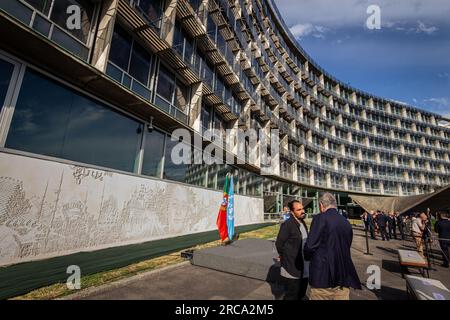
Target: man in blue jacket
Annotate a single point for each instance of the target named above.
(332, 272)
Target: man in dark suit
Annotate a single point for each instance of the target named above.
(332, 272)
(392, 225)
(400, 222)
(442, 227)
(371, 224)
(290, 242)
(382, 221)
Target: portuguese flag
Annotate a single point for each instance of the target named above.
(222, 216)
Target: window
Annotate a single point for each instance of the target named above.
(166, 84)
(173, 171)
(153, 153)
(206, 116)
(184, 45)
(6, 70)
(139, 63)
(151, 10)
(120, 48)
(42, 6)
(53, 120)
(171, 92)
(60, 16)
(128, 62)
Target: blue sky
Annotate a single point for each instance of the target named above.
(407, 60)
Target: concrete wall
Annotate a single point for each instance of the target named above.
(49, 209)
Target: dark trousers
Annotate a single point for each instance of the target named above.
(392, 231)
(372, 231)
(445, 245)
(402, 233)
(366, 226)
(383, 232)
(295, 288)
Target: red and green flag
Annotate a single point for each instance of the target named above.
(222, 216)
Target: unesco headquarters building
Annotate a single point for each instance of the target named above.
(91, 90)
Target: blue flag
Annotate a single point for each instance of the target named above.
(230, 210)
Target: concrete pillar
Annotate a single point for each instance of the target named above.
(170, 14)
(406, 176)
(345, 182)
(104, 35)
(196, 107)
(311, 176)
(400, 189)
(363, 185)
(319, 159)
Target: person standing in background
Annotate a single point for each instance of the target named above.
(400, 222)
(442, 227)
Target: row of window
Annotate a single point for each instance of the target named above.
(301, 61)
(54, 120)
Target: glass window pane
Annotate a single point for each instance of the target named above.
(17, 10)
(152, 9)
(60, 16)
(153, 153)
(120, 48)
(53, 120)
(41, 5)
(140, 63)
(178, 39)
(6, 70)
(41, 25)
(38, 125)
(69, 43)
(166, 84)
(99, 135)
(173, 171)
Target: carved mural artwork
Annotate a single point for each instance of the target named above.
(52, 209)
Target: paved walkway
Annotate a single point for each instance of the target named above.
(184, 281)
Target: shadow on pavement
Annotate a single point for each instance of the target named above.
(391, 266)
(388, 293)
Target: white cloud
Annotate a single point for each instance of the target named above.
(440, 105)
(423, 28)
(444, 75)
(444, 102)
(302, 30)
(352, 13)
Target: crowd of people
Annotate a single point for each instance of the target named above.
(416, 224)
(384, 225)
(320, 257)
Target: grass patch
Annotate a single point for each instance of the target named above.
(60, 290)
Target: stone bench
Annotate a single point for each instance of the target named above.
(412, 259)
(419, 288)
